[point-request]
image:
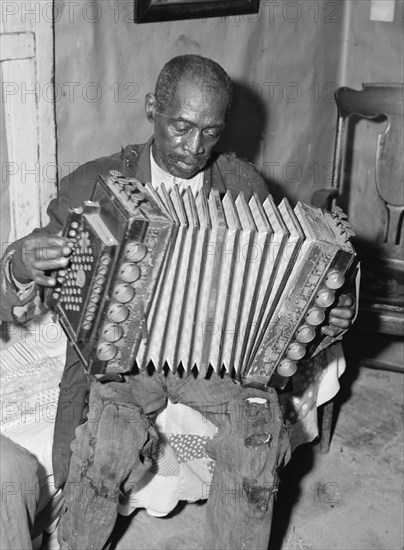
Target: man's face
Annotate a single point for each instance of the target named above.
(186, 131)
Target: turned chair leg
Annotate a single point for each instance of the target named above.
(326, 427)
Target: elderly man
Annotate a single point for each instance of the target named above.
(112, 448)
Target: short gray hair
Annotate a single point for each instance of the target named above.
(193, 68)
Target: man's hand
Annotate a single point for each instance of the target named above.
(37, 254)
(340, 316)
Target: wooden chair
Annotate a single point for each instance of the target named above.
(379, 237)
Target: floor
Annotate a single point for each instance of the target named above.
(351, 498)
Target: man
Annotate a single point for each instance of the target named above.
(112, 448)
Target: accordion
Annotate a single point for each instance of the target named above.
(207, 282)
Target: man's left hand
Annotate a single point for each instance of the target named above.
(340, 316)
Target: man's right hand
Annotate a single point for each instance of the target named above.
(38, 254)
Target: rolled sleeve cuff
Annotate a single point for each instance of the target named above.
(23, 299)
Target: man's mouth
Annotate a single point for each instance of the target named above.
(189, 166)
(187, 163)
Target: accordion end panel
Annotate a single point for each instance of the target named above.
(324, 267)
(103, 298)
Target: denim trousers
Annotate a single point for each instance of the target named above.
(113, 449)
(19, 495)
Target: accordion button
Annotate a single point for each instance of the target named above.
(325, 298)
(118, 313)
(115, 173)
(315, 316)
(135, 252)
(305, 334)
(124, 293)
(105, 260)
(296, 351)
(286, 367)
(112, 332)
(334, 280)
(106, 351)
(129, 272)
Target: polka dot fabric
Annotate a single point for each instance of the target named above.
(189, 446)
(174, 449)
(165, 461)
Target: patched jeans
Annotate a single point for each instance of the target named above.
(113, 449)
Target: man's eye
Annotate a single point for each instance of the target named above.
(212, 134)
(181, 128)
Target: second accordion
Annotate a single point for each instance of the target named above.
(201, 281)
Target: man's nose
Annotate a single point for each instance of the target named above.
(194, 143)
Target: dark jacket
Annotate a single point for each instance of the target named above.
(225, 171)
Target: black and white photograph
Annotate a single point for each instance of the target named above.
(202, 275)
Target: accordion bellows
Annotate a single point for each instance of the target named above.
(198, 281)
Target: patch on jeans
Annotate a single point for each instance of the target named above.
(257, 411)
(257, 495)
(96, 491)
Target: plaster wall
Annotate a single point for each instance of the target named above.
(284, 60)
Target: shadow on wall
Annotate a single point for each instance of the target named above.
(245, 129)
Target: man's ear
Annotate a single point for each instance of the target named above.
(150, 107)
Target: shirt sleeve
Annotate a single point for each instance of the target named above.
(22, 290)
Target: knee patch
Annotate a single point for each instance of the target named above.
(116, 436)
